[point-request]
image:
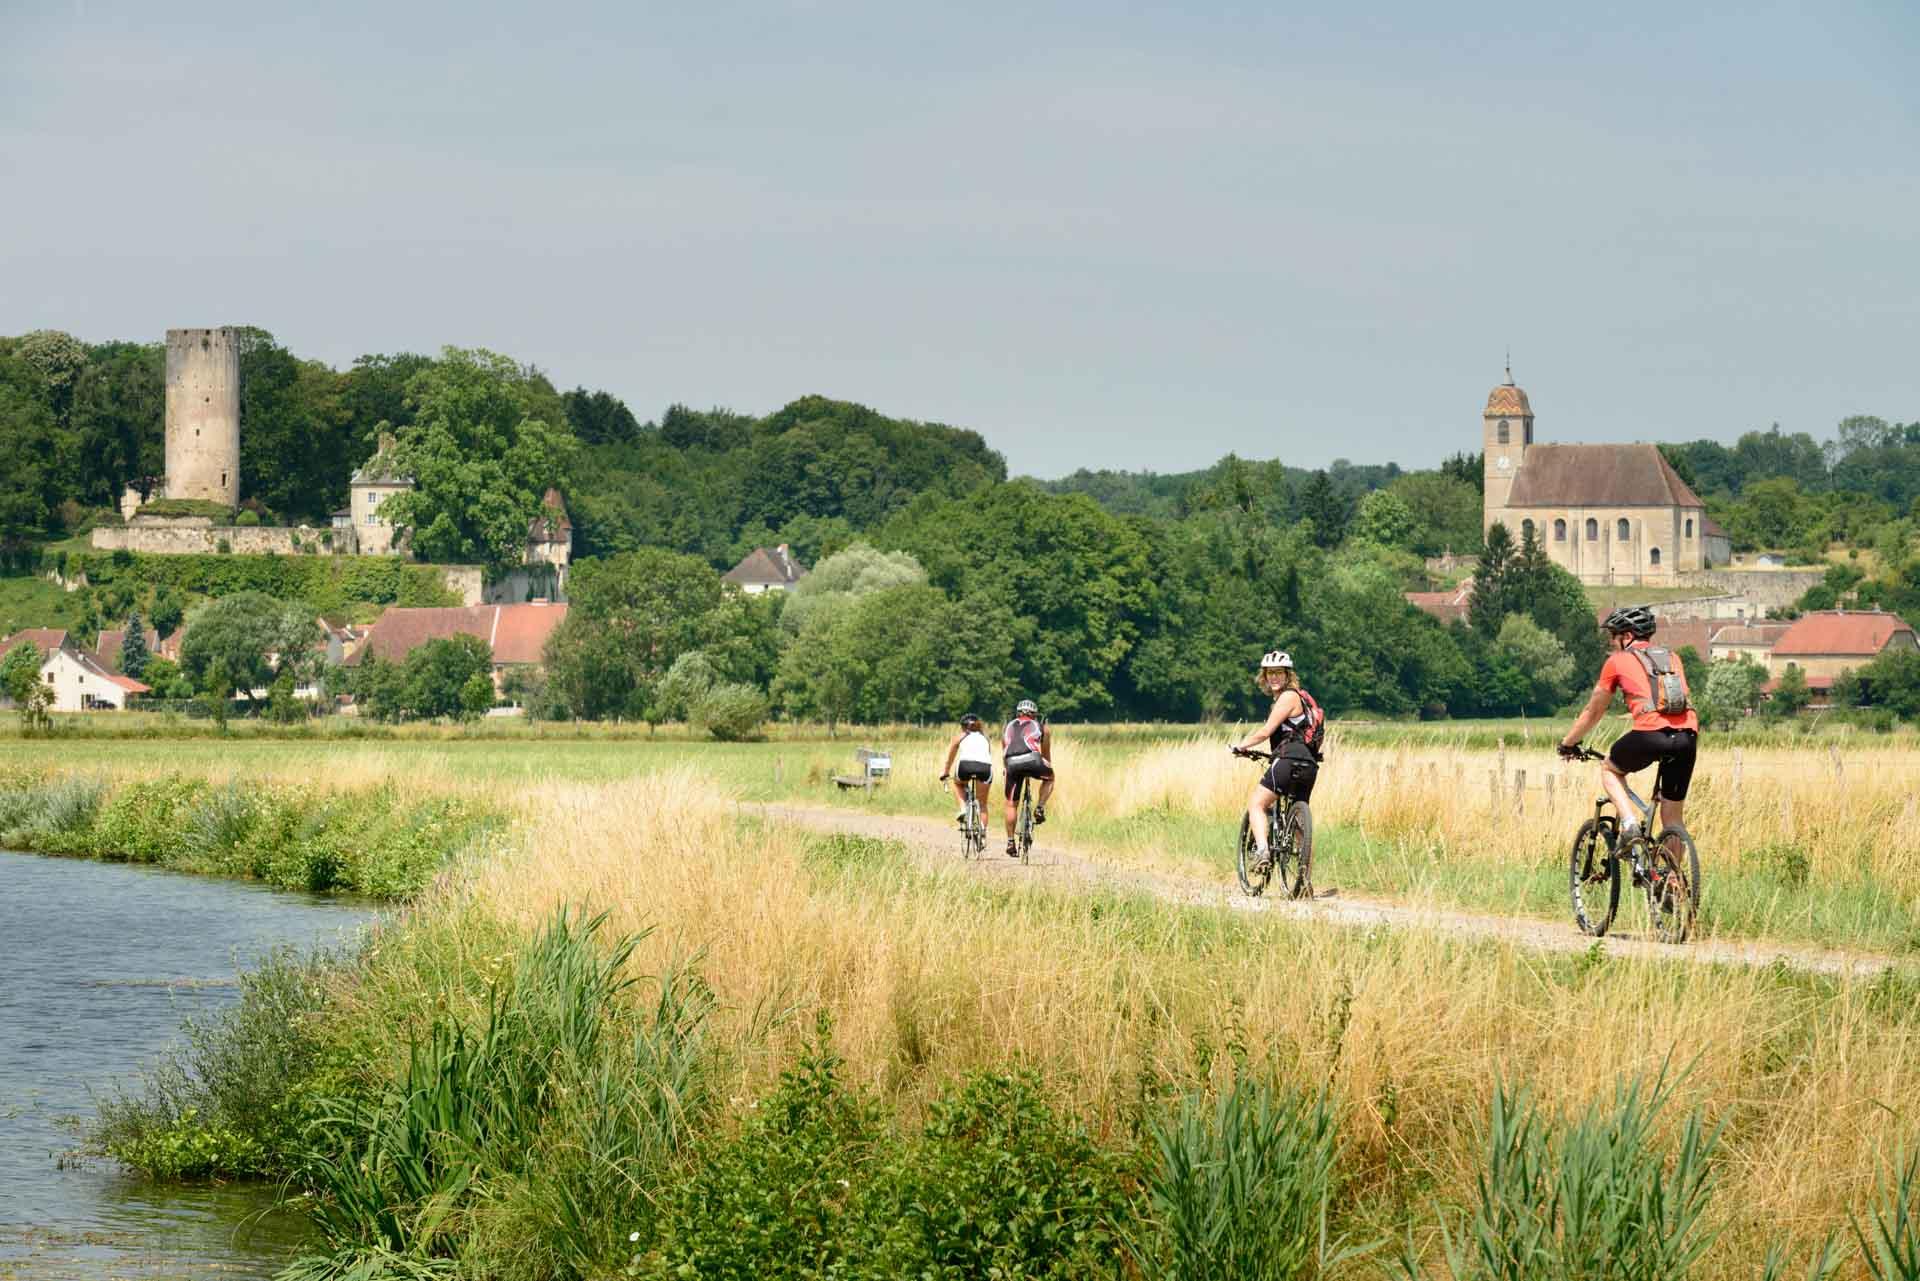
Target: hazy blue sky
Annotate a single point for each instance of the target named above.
(1100, 238)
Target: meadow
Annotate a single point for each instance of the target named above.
(634, 1023)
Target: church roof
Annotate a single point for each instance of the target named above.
(1508, 399)
(1598, 476)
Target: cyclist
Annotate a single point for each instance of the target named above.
(1026, 747)
(1288, 733)
(1672, 736)
(976, 765)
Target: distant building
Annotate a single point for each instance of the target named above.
(113, 640)
(1608, 514)
(1449, 606)
(517, 634)
(81, 682)
(765, 569)
(1753, 641)
(377, 483)
(1830, 642)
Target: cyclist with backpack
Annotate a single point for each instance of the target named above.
(1665, 726)
(1026, 746)
(1293, 732)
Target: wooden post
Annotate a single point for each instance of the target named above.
(1519, 791)
(1493, 789)
(1552, 779)
(1502, 762)
(1833, 754)
(777, 770)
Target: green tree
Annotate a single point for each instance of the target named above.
(250, 634)
(1492, 592)
(1547, 667)
(20, 679)
(631, 617)
(476, 696)
(216, 691)
(294, 430)
(841, 578)
(1326, 509)
(283, 707)
(133, 650)
(682, 688)
(1445, 510)
(1790, 693)
(481, 454)
(1383, 518)
(1730, 691)
(437, 675)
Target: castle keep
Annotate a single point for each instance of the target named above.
(203, 415)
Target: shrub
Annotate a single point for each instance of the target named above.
(247, 519)
(1783, 862)
(1890, 1238)
(731, 713)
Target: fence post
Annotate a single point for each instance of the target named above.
(1833, 754)
(1493, 789)
(1552, 779)
(778, 772)
(1519, 791)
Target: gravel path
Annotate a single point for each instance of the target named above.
(938, 843)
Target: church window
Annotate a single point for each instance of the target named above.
(1593, 530)
(1526, 529)
(1653, 556)
(1689, 527)
(1623, 532)
(1559, 531)
(1506, 436)
(1526, 432)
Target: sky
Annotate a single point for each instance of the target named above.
(1133, 240)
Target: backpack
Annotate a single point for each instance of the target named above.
(1667, 684)
(1314, 733)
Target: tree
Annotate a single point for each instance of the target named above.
(436, 676)
(631, 617)
(1731, 689)
(251, 635)
(1790, 693)
(283, 707)
(476, 696)
(20, 679)
(1468, 469)
(1383, 518)
(485, 444)
(1546, 666)
(597, 418)
(133, 649)
(1326, 509)
(841, 578)
(217, 691)
(1490, 604)
(1445, 510)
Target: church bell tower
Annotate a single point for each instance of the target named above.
(1506, 431)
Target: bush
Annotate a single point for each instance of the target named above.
(247, 519)
(731, 713)
(174, 508)
(1787, 864)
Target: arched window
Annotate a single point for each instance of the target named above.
(1653, 556)
(1505, 435)
(1593, 530)
(1559, 531)
(1689, 527)
(1623, 532)
(1526, 529)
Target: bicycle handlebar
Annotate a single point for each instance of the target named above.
(1580, 753)
(1251, 753)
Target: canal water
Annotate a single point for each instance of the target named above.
(99, 965)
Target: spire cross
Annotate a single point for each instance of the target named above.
(1509, 366)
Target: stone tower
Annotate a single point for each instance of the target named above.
(1506, 429)
(203, 415)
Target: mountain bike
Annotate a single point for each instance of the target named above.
(1289, 845)
(1667, 867)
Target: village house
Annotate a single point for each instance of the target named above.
(765, 569)
(1826, 644)
(1752, 641)
(80, 681)
(516, 634)
(1448, 606)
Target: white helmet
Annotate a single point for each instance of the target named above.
(1278, 658)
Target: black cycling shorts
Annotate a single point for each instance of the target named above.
(972, 771)
(1292, 776)
(1024, 766)
(1637, 749)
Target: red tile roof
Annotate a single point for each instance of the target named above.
(1758, 634)
(1598, 476)
(95, 667)
(516, 633)
(1849, 632)
(1446, 606)
(45, 639)
(767, 566)
(108, 647)
(1508, 399)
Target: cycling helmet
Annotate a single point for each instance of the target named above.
(969, 721)
(1278, 658)
(1026, 708)
(1637, 619)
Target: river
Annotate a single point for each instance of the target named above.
(102, 962)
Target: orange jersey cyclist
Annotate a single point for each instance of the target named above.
(1665, 726)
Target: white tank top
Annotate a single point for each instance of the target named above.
(975, 748)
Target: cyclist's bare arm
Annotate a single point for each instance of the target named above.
(1589, 716)
(953, 750)
(1046, 743)
(1288, 704)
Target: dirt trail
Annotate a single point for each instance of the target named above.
(938, 843)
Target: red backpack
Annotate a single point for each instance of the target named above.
(1314, 732)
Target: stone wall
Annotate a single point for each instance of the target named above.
(189, 537)
(468, 582)
(1766, 588)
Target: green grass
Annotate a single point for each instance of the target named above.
(28, 600)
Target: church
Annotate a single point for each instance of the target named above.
(1609, 514)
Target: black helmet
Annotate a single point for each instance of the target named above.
(969, 721)
(1637, 619)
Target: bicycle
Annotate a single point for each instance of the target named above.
(973, 826)
(1023, 826)
(1667, 867)
(1289, 845)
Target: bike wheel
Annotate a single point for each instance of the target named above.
(1593, 876)
(1026, 824)
(1689, 858)
(970, 832)
(1252, 880)
(1670, 900)
(1293, 851)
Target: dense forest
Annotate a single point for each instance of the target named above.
(940, 582)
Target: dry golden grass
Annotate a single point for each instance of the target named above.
(928, 975)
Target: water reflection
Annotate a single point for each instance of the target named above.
(103, 962)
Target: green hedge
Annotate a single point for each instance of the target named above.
(368, 841)
(219, 512)
(326, 583)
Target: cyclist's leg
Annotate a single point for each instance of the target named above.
(1676, 778)
(1015, 781)
(1260, 803)
(1631, 753)
(982, 789)
(959, 786)
(1046, 791)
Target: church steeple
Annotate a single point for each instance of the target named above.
(1506, 429)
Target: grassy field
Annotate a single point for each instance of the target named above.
(1129, 1021)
